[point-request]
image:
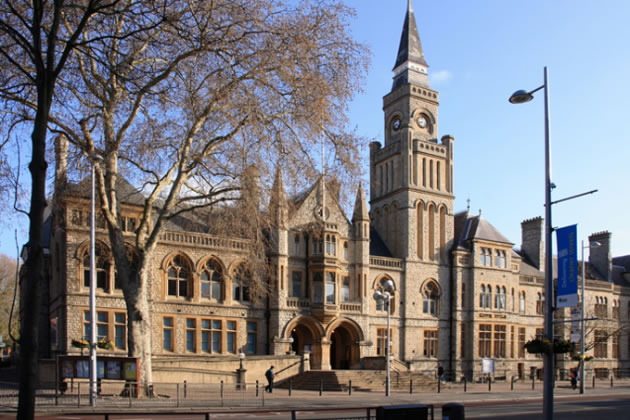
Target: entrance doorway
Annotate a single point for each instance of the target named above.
(307, 335)
(343, 347)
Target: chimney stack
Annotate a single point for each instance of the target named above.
(532, 244)
(601, 257)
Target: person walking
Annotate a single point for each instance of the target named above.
(269, 375)
(574, 378)
(440, 372)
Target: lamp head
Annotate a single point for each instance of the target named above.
(595, 244)
(241, 355)
(520, 97)
(95, 158)
(378, 295)
(388, 286)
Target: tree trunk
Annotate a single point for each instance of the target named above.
(137, 298)
(34, 277)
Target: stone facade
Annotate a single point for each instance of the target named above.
(461, 292)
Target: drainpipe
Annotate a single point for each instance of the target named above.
(453, 307)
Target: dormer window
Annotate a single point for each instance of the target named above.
(499, 259)
(485, 257)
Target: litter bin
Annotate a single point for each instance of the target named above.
(404, 412)
(453, 411)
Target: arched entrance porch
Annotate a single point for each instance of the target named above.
(307, 336)
(344, 337)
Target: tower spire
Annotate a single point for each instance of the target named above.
(410, 66)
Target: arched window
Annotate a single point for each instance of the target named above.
(394, 228)
(521, 302)
(386, 233)
(482, 296)
(499, 258)
(540, 298)
(431, 245)
(240, 284)
(178, 277)
(430, 298)
(381, 304)
(443, 232)
(497, 298)
(489, 297)
(102, 264)
(345, 250)
(211, 279)
(420, 229)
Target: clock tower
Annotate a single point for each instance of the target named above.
(411, 187)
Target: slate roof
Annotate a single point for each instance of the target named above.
(469, 228)
(377, 245)
(126, 192)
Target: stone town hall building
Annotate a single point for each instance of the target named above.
(462, 292)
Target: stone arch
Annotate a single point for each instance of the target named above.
(177, 272)
(431, 210)
(211, 270)
(376, 285)
(442, 211)
(344, 336)
(307, 334)
(420, 209)
(104, 265)
(431, 293)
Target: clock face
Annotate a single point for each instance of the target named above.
(396, 124)
(422, 122)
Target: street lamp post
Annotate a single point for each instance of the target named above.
(94, 159)
(520, 97)
(385, 296)
(590, 245)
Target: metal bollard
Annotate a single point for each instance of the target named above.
(290, 386)
(512, 384)
(533, 381)
(611, 381)
(207, 416)
(411, 386)
(293, 416)
(465, 384)
(221, 393)
(256, 387)
(79, 394)
(439, 385)
(177, 391)
(321, 387)
(489, 384)
(185, 389)
(593, 380)
(349, 386)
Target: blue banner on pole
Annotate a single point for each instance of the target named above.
(567, 267)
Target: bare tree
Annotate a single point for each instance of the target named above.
(186, 109)
(36, 40)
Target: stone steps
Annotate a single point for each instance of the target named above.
(367, 380)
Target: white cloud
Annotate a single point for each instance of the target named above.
(440, 76)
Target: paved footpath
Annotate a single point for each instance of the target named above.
(474, 395)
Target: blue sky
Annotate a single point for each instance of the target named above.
(479, 53)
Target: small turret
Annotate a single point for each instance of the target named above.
(279, 208)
